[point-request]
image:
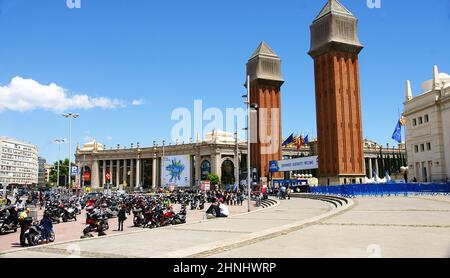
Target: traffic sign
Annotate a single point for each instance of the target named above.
(108, 176)
(74, 170)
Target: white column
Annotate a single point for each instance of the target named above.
(111, 171)
(155, 173)
(125, 172)
(118, 173)
(132, 174)
(103, 179)
(370, 168)
(95, 175)
(138, 172)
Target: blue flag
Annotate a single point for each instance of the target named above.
(307, 139)
(289, 140)
(397, 136)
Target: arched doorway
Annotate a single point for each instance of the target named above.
(228, 173)
(86, 176)
(205, 169)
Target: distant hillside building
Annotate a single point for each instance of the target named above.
(18, 162)
(428, 129)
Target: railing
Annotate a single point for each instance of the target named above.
(380, 190)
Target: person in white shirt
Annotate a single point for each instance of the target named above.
(224, 212)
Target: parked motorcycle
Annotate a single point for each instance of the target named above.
(10, 223)
(34, 235)
(96, 222)
(68, 214)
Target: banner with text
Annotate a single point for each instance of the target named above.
(297, 164)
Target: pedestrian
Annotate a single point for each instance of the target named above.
(23, 225)
(288, 191)
(41, 200)
(47, 227)
(121, 217)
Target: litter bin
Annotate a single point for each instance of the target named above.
(33, 214)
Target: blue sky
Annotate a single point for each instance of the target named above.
(165, 54)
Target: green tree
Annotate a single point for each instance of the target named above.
(63, 170)
(213, 179)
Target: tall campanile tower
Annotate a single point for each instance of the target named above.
(335, 47)
(264, 70)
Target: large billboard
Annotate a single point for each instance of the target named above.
(176, 171)
(298, 164)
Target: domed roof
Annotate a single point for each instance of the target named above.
(428, 85)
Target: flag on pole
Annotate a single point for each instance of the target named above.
(397, 135)
(307, 139)
(402, 121)
(288, 141)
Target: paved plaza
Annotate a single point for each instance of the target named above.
(367, 227)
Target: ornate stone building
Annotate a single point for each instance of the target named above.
(427, 118)
(141, 167)
(137, 166)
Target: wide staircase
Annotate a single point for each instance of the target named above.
(334, 200)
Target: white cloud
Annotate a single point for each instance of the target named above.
(137, 102)
(26, 95)
(109, 138)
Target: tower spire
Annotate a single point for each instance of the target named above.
(408, 90)
(436, 80)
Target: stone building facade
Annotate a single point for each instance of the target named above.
(428, 129)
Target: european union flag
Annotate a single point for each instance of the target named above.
(397, 136)
(288, 141)
(307, 139)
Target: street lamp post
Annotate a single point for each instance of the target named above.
(248, 142)
(70, 116)
(163, 163)
(59, 142)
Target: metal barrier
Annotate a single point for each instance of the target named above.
(380, 190)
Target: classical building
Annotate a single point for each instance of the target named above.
(335, 47)
(142, 167)
(18, 162)
(427, 118)
(379, 160)
(264, 70)
(137, 166)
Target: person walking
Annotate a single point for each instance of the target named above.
(47, 227)
(41, 200)
(121, 217)
(23, 225)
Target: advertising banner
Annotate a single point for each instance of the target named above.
(298, 164)
(175, 171)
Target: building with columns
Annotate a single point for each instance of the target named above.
(427, 118)
(138, 166)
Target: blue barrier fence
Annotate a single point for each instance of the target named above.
(394, 189)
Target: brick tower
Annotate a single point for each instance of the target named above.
(335, 47)
(264, 69)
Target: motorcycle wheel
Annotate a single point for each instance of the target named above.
(52, 237)
(32, 239)
(64, 219)
(3, 230)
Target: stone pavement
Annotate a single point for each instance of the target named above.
(177, 241)
(389, 227)
(372, 227)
